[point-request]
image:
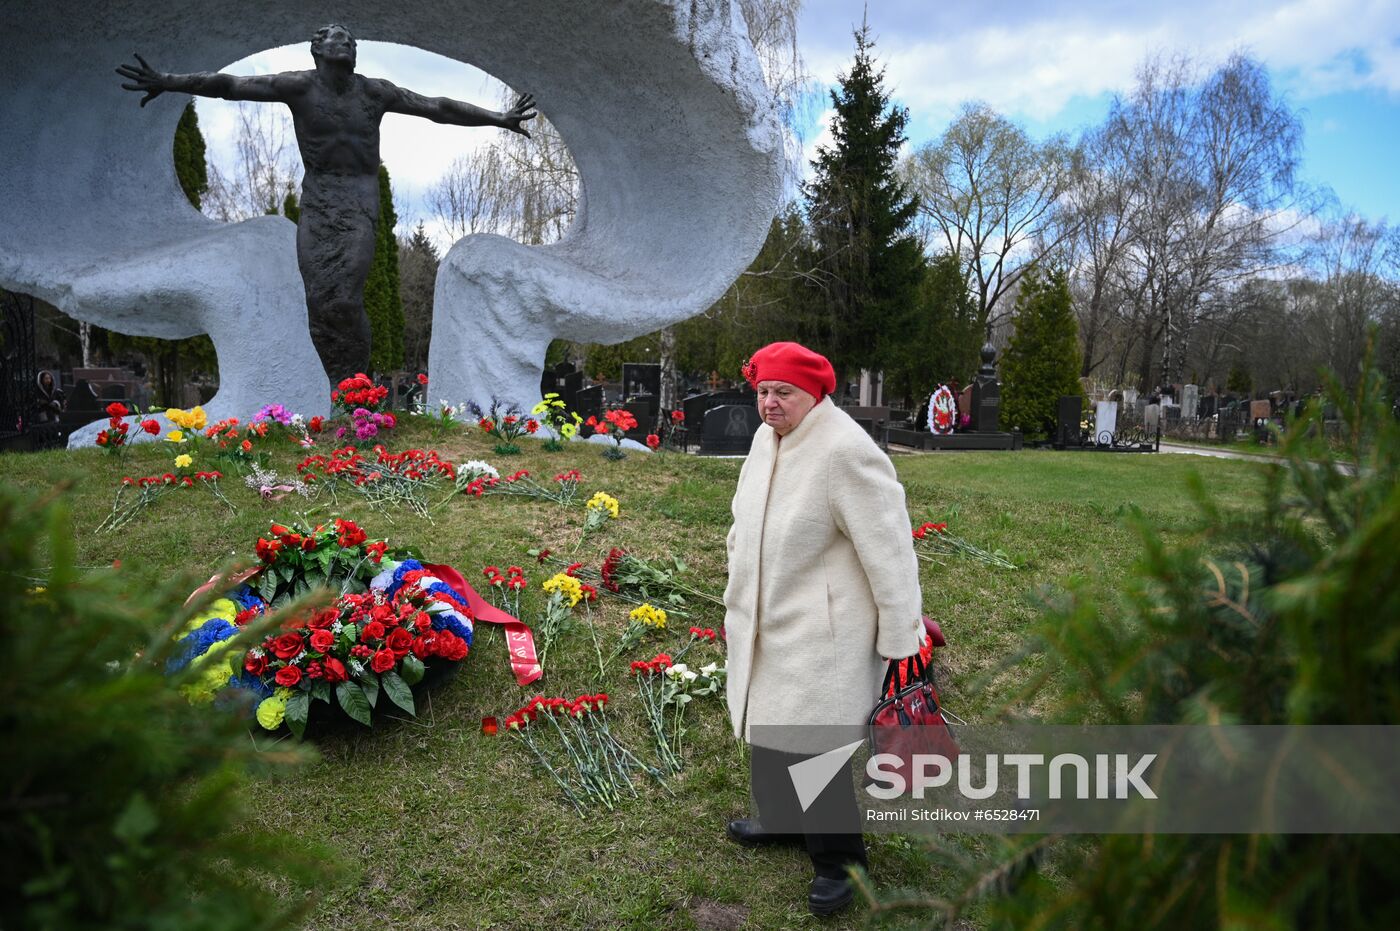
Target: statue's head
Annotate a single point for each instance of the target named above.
(333, 42)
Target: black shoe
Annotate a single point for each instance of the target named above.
(747, 833)
(827, 896)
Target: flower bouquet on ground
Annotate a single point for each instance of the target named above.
(682, 685)
(504, 426)
(412, 478)
(656, 580)
(574, 743)
(563, 593)
(392, 622)
(113, 439)
(148, 490)
(562, 422)
(233, 442)
(601, 508)
(563, 489)
(615, 424)
(366, 405)
(933, 541)
(643, 620)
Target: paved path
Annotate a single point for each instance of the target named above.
(1215, 453)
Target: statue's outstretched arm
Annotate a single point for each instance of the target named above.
(265, 87)
(460, 113)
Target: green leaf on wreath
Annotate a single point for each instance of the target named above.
(353, 700)
(399, 693)
(370, 685)
(267, 586)
(321, 691)
(298, 706)
(300, 587)
(411, 670)
(350, 632)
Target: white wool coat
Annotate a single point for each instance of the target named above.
(823, 580)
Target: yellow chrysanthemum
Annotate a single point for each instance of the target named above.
(198, 419)
(566, 585)
(602, 501)
(183, 460)
(650, 616)
(223, 608)
(271, 711)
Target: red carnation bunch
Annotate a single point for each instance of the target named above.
(358, 391)
(113, 439)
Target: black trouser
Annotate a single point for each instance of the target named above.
(831, 824)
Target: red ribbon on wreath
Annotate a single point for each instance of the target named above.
(521, 643)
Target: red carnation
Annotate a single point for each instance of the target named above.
(383, 661)
(422, 379)
(288, 676)
(653, 441)
(425, 645)
(117, 409)
(677, 416)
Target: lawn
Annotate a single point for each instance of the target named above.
(442, 827)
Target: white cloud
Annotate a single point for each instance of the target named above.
(1030, 61)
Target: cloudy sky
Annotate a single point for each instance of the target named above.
(1051, 65)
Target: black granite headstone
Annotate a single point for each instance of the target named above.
(986, 395)
(729, 429)
(588, 402)
(640, 380)
(1068, 414)
(563, 380)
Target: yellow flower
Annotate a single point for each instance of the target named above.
(223, 608)
(602, 501)
(566, 585)
(175, 416)
(650, 616)
(175, 436)
(197, 418)
(271, 711)
(183, 460)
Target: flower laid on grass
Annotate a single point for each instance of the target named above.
(505, 426)
(615, 424)
(413, 478)
(272, 487)
(563, 489)
(697, 635)
(932, 541)
(601, 508)
(234, 442)
(113, 439)
(149, 489)
(562, 592)
(506, 587)
(683, 685)
(562, 422)
(650, 688)
(572, 741)
(656, 580)
(643, 619)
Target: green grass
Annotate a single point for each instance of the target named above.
(446, 828)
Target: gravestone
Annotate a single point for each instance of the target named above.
(1209, 405)
(1067, 417)
(589, 401)
(1190, 401)
(640, 380)
(729, 429)
(986, 395)
(1151, 417)
(964, 405)
(1260, 410)
(1105, 421)
(565, 381)
(1130, 397)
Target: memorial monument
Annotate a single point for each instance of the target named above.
(677, 140)
(336, 115)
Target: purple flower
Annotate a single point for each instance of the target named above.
(340, 433)
(274, 412)
(364, 431)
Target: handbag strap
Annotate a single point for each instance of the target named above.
(914, 669)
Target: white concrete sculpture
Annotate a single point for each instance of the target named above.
(661, 102)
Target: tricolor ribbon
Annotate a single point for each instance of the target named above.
(519, 640)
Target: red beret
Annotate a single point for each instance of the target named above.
(794, 364)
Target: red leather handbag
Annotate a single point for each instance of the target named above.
(912, 720)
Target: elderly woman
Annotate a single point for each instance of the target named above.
(823, 590)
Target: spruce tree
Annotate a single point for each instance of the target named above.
(190, 167)
(418, 265)
(860, 216)
(383, 303)
(1042, 362)
(935, 339)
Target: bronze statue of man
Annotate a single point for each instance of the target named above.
(336, 113)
